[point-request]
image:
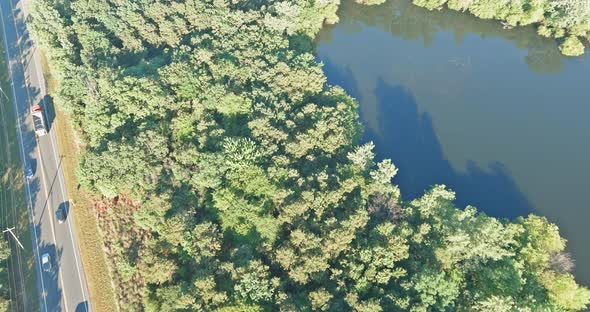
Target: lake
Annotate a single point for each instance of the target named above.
(496, 114)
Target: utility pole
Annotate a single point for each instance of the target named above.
(16, 238)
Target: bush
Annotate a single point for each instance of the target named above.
(572, 46)
(370, 2)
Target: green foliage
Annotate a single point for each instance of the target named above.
(572, 46)
(253, 282)
(564, 291)
(4, 250)
(370, 2)
(5, 298)
(253, 190)
(126, 269)
(319, 299)
(430, 4)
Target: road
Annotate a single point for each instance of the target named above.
(64, 287)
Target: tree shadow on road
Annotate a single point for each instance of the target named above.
(50, 290)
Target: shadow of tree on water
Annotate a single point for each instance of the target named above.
(408, 138)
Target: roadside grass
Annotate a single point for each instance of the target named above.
(21, 275)
(92, 246)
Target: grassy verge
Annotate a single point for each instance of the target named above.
(89, 237)
(19, 276)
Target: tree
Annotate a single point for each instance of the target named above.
(572, 46)
(5, 298)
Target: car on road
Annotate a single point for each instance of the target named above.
(46, 262)
(29, 172)
(39, 120)
(60, 214)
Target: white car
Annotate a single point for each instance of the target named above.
(39, 120)
(46, 262)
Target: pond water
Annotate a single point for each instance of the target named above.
(498, 115)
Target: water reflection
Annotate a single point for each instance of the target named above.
(406, 21)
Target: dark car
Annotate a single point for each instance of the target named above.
(61, 214)
(29, 172)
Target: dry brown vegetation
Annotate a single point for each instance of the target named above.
(124, 242)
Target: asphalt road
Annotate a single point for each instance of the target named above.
(64, 288)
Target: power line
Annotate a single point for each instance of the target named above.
(11, 266)
(16, 238)
(15, 269)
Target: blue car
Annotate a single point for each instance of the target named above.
(29, 172)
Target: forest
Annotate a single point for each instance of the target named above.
(253, 191)
(566, 20)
